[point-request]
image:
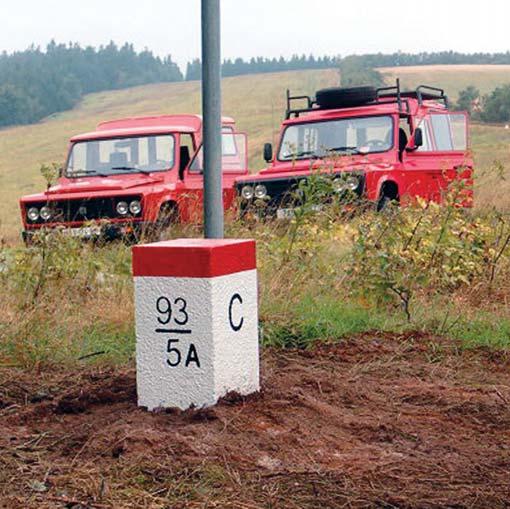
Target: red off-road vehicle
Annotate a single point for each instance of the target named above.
(133, 175)
(378, 144)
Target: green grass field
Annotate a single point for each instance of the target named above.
(257, 102)
(453, 78)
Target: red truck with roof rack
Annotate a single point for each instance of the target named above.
(131, 176)
(381, 145)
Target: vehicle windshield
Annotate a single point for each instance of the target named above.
(341, 136)
(114, 156)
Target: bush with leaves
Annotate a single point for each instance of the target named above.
(430, 248)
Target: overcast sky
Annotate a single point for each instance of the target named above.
(262, 27)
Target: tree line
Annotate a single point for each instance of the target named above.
(259, 65)
(36, 83)
(375, 60)
(492, 107)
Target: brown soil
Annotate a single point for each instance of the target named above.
(380, 421)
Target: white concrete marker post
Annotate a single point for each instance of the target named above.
(196, 321)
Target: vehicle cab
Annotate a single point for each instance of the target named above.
(133, 174)
(380, 144)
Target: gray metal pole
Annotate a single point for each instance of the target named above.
(211, 110)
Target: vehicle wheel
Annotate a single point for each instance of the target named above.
(384, 203)
(167, 216)
(345, 97)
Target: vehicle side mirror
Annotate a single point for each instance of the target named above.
(60, 172)
(268, 152)
(418, 137)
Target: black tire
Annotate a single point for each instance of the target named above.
(387, 204)
(329, 98)
(168, 215)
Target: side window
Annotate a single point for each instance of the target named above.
(427, 140)
(442, 133)
(187, 150)
(458, 123)
(197, 165)
(187, 141)
(234, 152)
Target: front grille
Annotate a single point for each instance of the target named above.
(284, 192)
(281, 191)
(82, 210)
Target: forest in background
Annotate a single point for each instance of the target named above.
(36, 83)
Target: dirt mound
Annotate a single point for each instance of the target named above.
(380, 421)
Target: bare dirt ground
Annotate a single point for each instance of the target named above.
(379, 421)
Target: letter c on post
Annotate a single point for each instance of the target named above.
(236, 327)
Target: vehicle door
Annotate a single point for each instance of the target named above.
(443, 157)
(234, 164)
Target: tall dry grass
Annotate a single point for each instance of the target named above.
(323, 276)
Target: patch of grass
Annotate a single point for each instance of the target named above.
(46, 343)
(326, 319)
(485, 329)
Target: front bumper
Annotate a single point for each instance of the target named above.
(104, 232)
(283, 194)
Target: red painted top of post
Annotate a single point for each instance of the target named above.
(199, 258)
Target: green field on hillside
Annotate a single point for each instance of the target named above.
(256, 101)
(453, 78)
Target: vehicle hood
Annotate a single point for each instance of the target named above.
(81, 185)
(290, 170)
(103, 185)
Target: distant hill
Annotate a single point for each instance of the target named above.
(453, 78)
(36, 83)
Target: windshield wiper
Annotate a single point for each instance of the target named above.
(351, 150)
(314, 155)
(299, 155)
(131, 168)
(86, 172)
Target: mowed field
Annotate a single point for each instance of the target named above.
(453, 78)
(257, 102)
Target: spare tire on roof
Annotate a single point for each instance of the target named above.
(329, 98)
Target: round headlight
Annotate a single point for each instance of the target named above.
(247, 192)
(339, 185)
(260, 191)
(352, 183)
(45, 213)
(33, 214)
(135, 207)
(122, 208)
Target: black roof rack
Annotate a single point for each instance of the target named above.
(384, 96)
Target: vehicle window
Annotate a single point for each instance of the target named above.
(229, 144)
(442, 133)
(187, 141)
(114, 156)
(427, 141)
(345, 136)
(458, 124)
(234, 151)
